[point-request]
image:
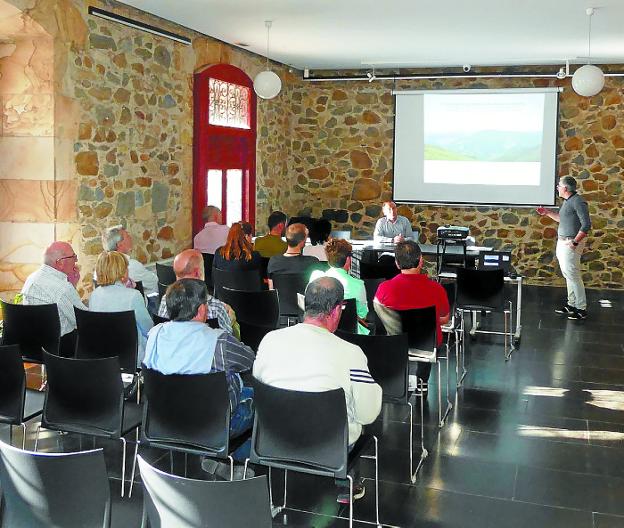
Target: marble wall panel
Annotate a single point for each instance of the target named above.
(27, 158)
(23, 242)
(27, 201)
(27, 115)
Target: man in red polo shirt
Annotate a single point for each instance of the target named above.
(410, 289)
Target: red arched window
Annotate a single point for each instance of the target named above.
(224, 144)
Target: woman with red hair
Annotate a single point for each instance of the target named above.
(238, 253)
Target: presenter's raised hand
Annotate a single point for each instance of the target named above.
(541, 211)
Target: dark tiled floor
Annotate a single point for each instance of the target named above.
(537, 441)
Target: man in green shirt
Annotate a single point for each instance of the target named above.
(339, 258)
(272, 244)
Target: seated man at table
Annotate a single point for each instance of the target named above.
(309, 357)
(186, 345)
(392, 227)
(189, 264)
(408, 290)
(214, 234)
(292, 261)
(339, 259)
(272, 244)
(55, 283)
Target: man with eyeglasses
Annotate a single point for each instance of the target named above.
(574, 224)
(55, 283)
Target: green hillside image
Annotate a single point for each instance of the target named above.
(441, 154)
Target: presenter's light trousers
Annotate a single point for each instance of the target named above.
(570, 264)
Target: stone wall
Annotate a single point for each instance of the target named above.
(341, 168)
(119, 134)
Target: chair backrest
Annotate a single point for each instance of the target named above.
(158, 319)
(138, 286)
(287, 286)
(170, 501)
(342, 233)
(264, 266)
(256, 307)
(252, 334)
(108, 334)
(19, 322)
(307, 431)
(12, 385)
(248, 280)
(421, 327)
(188, 411)
(54, 489)
(208, 260)
(480, 289)
(83, 395)
(387, 362)
(165, 274)
(348, 319)
(371, 286)
(162, 289)
(369, 270)
(451, 293)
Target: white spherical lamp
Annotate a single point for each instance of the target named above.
(267, 84)
(588, 80)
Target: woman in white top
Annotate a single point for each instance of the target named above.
(319, 235)
(112, 295)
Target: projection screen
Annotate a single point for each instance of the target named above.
(476, 147)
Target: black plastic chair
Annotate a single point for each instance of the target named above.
(165, 274)
(208, 261)
(306, 432)
(189, 413)
(287, 286)
(348, 319)
(387, 358)
(17, 405)
(484, 290)
(162, 289)
(85, 396)
(170, 501)
(158, 319)
(138, 286)
(255, 307)
(369, 270)
(248, 280)
(453, 329)
(420, 325)
(54, 489)
(371, 286)
(252, 334)
(21, 320)
(107, 334)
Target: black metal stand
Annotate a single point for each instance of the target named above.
(442, 245)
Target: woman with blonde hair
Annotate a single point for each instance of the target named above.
(112, 295)
(238, 253)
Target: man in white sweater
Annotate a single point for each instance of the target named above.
(309, 357)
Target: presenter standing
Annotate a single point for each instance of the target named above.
(392, 227)
(574, 224)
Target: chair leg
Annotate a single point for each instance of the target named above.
(231, 467)
(23, 435)
(411, 441)
(10, 435)
(171, 461)
(136, 451)
(377, 479)
(37, 436)
(350, 501)
(123, 466)
(285, 486)
(439, 371)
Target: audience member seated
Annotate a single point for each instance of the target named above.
(186, 345)
(319, 235)
(392, 227)
(118, 239)
(115, 293)
(293, 261)
(238, 253)
(214, 234)
(309, 357)
(410, 289)
(339, 258)
(272, 244)
(55, 283)
(189, 264)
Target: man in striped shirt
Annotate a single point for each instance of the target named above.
(309, 357)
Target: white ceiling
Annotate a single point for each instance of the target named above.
(338, 34)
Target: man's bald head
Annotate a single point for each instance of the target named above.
(189, 264)
(296, 235)
(55, 251)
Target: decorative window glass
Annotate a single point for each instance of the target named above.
(228, 104)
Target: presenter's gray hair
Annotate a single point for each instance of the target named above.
(569, 182)
(322, 296)
(111, 238)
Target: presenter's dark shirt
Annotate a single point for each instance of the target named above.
(573, 217)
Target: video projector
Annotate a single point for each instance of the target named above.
(449, 232)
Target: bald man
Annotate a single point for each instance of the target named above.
(214, 234)
(189, 264)
(392, 227)
(54, 283)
